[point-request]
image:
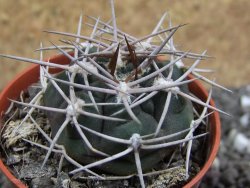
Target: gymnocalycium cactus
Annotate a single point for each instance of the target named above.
(116, 107)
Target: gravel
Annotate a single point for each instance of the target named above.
(232, 165)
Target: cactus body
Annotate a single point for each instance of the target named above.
(178, 118)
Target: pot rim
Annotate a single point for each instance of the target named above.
(30, 75)
(215, 135)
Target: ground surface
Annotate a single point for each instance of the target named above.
(222, 27)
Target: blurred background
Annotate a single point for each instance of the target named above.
(222, 27)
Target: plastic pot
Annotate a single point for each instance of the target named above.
(31, 75)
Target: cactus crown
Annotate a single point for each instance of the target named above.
(116, 107)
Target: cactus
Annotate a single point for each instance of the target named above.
(144, 122)
(116, 107)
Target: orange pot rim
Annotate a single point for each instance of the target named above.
(31, 75)
(215, 127)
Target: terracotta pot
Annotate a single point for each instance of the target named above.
(31, 75)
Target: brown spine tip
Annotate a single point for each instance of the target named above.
(132, 56)
(113, 62)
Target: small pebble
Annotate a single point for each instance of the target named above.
(216, 164)
(41, 182)
(229, 176)
(239, 141)
(245, 103)
(13, 159)
(63, 180)
(33, 170)
(76, 184)
(244, 120)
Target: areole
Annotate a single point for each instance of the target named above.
(31, 75)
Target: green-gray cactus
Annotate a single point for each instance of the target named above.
(178, 118)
